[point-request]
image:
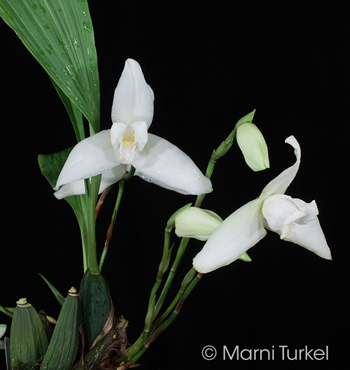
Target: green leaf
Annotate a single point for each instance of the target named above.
(73, 112)
(57, 294)
(60, 36)
(8, 311)
(51, 166)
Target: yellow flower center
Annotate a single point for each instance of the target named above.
(128, 137)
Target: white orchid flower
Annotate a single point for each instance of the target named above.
(293, 219)
(129, 143)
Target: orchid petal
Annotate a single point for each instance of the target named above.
(280, 210)
(133, 98)
(311, 237)
(239, 232)
(280, 184)
(89, 158)
(109, 177)
(166, 165)
(310, 209)
(141, 134)
(117, 131)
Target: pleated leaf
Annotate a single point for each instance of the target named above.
(59, 34)
(54, 290)
(51, 166)
(73, 112)
(8, 311)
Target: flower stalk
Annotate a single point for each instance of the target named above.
(165, 324)
(222, 149)
(111, 226)
(92, 194)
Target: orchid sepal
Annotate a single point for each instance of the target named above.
(280, 184)
(90, 157)
(109, 177)
(164, 164)
(235, 236)
(133, 97)
(160, 162)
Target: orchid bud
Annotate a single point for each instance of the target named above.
(196, 223)
(253, 146)
(199, 224)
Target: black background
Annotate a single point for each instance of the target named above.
(209, 64)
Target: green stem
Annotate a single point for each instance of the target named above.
(111, 226)
(170, 278)
(139, 354)
(221, 150)
(114, 215)
(182, 300)
(161, 270)
(153, 309)
(91, 194)
(135, 348)
(169, 321)
(163, 266)
(84, 244)
(91, 191)
(81, 215)
(187, 279)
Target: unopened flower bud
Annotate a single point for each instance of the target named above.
(196, 223)
(253, 146)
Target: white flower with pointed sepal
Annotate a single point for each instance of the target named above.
(293, 219)
(129, 143)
